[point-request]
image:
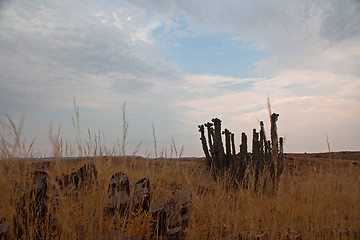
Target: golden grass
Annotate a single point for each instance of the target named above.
(314, 203)
(317, 198)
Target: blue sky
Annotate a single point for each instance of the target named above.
(178, 64)
(213, 54)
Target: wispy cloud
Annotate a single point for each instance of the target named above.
(181, 63)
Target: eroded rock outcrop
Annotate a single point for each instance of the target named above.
(32, 219)
(84, 177)
(119, 194)
(142, 195)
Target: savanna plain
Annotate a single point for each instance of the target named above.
(318, 197)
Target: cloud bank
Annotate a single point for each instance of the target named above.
(181, 63)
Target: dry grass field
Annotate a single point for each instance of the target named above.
(318, 198)
(61, 197)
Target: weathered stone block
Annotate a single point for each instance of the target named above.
(85, 176)
(142, 195)
(119, 194)
(32, 219)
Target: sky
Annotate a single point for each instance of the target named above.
(178, 64)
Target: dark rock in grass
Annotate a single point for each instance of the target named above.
(37, 175)
(179, 209)
(32, 218)
(39, 188)
(119, 182)
(184, 200)
(118, 203)
(85, 176)
(119, 194)
(142, 194)
(4, 230)
(159, 216)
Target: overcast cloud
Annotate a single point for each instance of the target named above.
(174, 64)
